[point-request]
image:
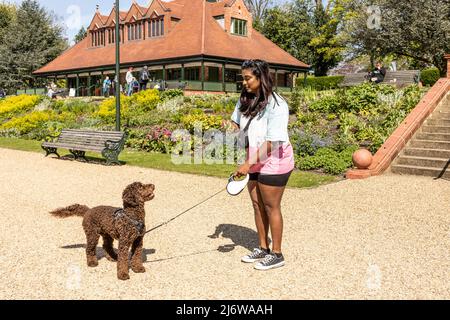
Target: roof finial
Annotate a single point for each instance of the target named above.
(97, 7)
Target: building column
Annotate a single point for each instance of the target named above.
(182, 72)
(223, 78)
(202, 76)
(77, 90)
(89, 92)
(67, 82)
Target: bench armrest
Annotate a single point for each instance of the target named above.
(114, 144)
(51, 137)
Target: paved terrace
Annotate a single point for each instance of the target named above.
(386, 237)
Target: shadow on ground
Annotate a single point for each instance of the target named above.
(88, 159)
(101, 252)
(241, 236)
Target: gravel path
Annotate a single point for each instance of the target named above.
(386, 237)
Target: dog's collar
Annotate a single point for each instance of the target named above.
(119, 213)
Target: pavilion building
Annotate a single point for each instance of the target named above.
(200, 42)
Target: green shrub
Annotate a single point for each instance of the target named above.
(14, 105)
(170, 94)
(328, 104)
(35, 120)
(75, 106)
(199, 117)
(430, 76)
(305, 144)
(321, 83)
(328, 159)
(145, 100)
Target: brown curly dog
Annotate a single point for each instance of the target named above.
(126, 225)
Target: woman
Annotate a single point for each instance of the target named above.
(264, 115)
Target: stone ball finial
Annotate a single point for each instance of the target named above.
(362, 158)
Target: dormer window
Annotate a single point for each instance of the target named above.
(135, 31)
(238, 27)
(111, 33)
(98, 38)
(156, 27)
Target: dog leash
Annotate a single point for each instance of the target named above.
(164, 223)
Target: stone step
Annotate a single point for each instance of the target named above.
(439, 163)
(440, 115)
(437, 122)
(430, 144)
(420, 171)
(433, 136)
(424, 152)
(435, 129)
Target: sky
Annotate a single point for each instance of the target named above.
(73, 14)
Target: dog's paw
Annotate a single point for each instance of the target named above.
(92, 262)
(123, 276)
(138, 269)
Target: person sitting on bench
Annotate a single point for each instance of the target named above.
(378, 74)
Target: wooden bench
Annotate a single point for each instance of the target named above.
(402, 78)
(108, 143)
(353, 79)
(397, 78)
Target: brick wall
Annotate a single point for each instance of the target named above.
(238, 10)
(448, 65)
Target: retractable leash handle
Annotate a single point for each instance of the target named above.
(235, 187)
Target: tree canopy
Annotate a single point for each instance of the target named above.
(30, 40)
(80, 35)
(308, 30)
(419, 30)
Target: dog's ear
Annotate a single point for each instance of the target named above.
(131, 196)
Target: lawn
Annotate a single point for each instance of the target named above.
(299, 179)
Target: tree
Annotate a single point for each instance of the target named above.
(80, 35)
(420, 31)
(326, 44)
(309, 30)
(7, 15)
(258, 9)
(31, 40)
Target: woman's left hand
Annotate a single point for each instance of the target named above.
(242, 170)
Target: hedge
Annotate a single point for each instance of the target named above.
(429, 76)
(321, 83)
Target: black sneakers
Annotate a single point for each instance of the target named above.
(270, 261)
(256, 255)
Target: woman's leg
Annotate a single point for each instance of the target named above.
(271, 197)
(261, 219)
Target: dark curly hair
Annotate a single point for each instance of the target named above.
(253, 103)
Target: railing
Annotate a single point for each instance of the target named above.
(42, 91)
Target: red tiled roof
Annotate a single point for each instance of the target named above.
(190, 37)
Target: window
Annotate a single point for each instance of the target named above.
(221, 21)
(135, 31)
(156, 27)
(173, 74)
(192, 73)
(231, 75)
(239, 27)
(213, 74)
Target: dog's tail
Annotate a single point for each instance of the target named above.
(73, 210)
